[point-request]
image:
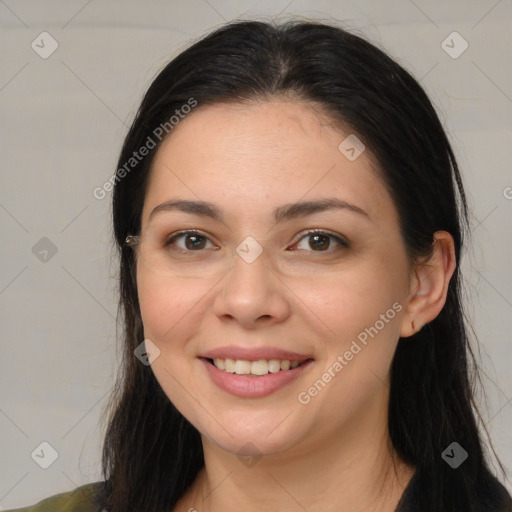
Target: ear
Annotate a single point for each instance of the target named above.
(429, 285)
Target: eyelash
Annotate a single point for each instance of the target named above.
(342, 243)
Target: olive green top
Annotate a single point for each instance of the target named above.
(82, 499)
(491, 497)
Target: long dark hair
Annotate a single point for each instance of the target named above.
(152, 453)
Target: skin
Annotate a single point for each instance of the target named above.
(249, 159)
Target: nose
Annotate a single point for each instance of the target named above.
(252, 295)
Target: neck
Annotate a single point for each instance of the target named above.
(358, 469)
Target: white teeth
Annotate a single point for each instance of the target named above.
(242, 367)
(229, 365)
(259, 367)
(274, 365)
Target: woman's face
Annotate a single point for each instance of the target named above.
(254, 285)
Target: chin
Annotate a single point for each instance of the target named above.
(251, 435)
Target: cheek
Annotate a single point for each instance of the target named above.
(166, 301)
(360, 312)
(342, 304)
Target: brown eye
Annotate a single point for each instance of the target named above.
(189, 241)
(321, 241)
(193, 242)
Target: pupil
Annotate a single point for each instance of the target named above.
(196, 241)
(320, 238)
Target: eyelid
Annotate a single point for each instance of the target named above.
(340, 240)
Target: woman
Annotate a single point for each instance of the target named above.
(290, 219)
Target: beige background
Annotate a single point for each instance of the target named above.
(62, 122)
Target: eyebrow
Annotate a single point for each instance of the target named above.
(282, 213)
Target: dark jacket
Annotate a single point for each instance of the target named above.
(492, 497)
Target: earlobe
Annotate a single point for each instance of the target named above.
(415, 328)
(429, 285)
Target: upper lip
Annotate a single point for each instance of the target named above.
(254, 354)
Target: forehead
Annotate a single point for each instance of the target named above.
(260, 154)
(273, 130)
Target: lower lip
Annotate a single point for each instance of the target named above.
(253, 387)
